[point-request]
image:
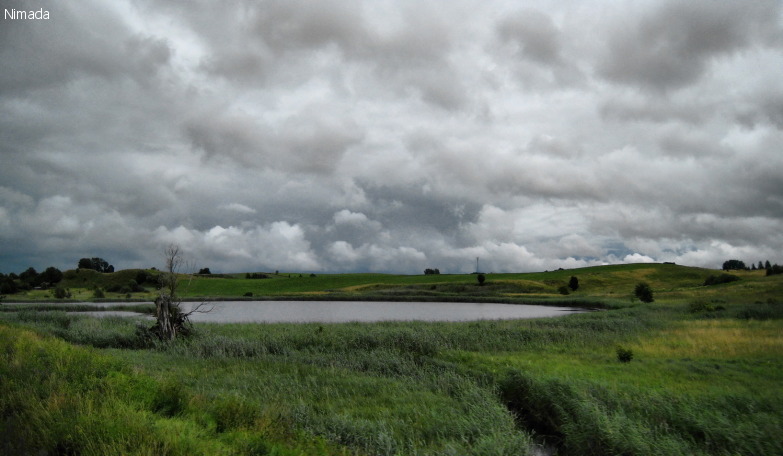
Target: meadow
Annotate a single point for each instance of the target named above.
(704, 374)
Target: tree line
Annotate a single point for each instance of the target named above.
(739, 265)
(51, 276)
(29, 279)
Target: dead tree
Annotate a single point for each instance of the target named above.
(171, 320)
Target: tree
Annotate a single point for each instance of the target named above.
(30, 277)
(643, 292)
(481, 279)
(573, 284)
(97, 264)
(170, 320)
(733, 265)
(204, 271)
(767, 265)
(51, 275)
(8, 285)
(775, 269)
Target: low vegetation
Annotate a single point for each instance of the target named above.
(697, 371)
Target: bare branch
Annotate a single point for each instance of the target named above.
(198, 309)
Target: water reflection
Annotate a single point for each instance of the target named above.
(366, 311)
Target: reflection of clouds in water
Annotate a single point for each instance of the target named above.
(347, 311)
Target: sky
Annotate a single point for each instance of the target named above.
(391, 135)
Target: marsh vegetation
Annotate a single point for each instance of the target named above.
(692, 379)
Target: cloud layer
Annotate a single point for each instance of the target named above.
(391, 136)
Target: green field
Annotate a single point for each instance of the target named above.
(607, 284)
(705, 375)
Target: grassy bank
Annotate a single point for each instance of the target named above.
(704, 378)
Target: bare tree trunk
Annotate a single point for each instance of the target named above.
(171, 321)
(167, 304)
(165, 326)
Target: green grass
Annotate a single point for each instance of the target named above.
(608, 284)
(703, 379)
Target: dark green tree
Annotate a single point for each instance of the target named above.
(8, 285)
(481, 279)
(573, 284)
(52, 275)
(97, 264)
(643, 292)
(30, 277)
(734, 265)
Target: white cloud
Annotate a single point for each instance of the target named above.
(237, 207)
(638, 258)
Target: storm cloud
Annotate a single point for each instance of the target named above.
(391, 136)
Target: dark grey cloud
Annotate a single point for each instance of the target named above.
(672, 44)
(393, 136)
(534, 34)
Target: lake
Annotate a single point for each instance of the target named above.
(364, 311)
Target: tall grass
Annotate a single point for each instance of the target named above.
(703, 382)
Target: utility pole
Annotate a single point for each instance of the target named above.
(477, 268)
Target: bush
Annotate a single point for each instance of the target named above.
(98, 293)
(8, 286)
(643, 292)
(700, 306)
(481, 279)
(717, 280)
(62, 293)
(134, 286)
(563, 290)
(624, 355)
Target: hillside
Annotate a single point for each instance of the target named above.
(612, 283)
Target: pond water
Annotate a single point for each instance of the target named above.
(349, 311)
(365, 311)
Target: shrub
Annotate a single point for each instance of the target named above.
(643, 292)
(624, 355)
(62, 293)
(98, 293)
(8, 286)
(134, 286)
(723, 278)
(563, 290)
(700, 306)
(170, 399)
(249, 294)
(573, 283)
(481, 279)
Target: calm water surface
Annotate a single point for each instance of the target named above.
(360, 311)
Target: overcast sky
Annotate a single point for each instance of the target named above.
(391, 136)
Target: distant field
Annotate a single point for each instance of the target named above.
(611, 284)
